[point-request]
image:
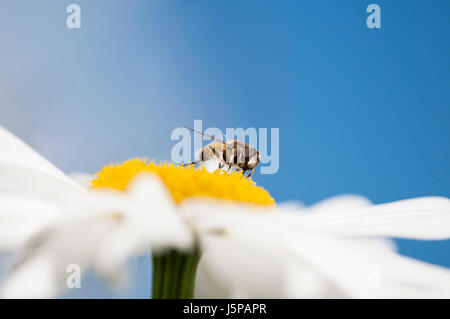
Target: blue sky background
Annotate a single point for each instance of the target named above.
(360, 110)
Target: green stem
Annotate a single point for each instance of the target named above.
(174, 274)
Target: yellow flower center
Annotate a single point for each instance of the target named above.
(185, 181)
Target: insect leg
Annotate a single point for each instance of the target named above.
(191, 163)
(251, 173)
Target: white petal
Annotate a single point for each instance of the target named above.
(104, 229)
(30, 190)
(334, 204)
(341, 203)
(73, 241)
(247, 259)
(35, 279)
(311, 266)
(14, 151)
(23, 180)
(152, 206)
(215, 216)
(340, 266)
(150, 220)
(21, 217)
(82, 179)
(239, 267)
(292, 206)
(367, 270)
(419, 218)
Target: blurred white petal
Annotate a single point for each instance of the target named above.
(31, 189)
(311, 266)
(345, 266)
(367, 270)
(334, 204)
(292, 206)
(340, 203)
(29, 181)
(216, 216)
(152, 222)
(102, 230)
(248, 267)
(21, 217)
(418, 218)
(82, 179)
(15, 152)
(36, 278)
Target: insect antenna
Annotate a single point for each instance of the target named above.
(211, 137)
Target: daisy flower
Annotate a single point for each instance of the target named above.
(211, 234)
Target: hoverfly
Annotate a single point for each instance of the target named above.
(234, 153)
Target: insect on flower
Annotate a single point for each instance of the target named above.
(234, 153)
